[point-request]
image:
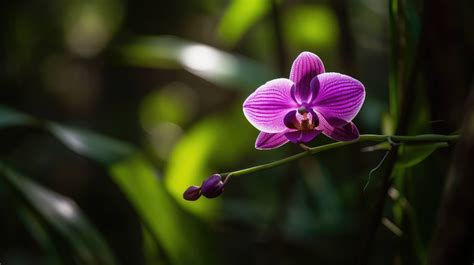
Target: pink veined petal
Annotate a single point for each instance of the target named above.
(302, 136)
(340, 97)
(347, 132)
(335, 122)
(266, 108)
(305, 67)
(266, 141)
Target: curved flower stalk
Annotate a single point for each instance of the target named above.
(214, 185)
(308, 103)
(298, 109)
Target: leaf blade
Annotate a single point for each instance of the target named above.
(63, 216)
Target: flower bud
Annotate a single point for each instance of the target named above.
(213, 186)
(192, 193)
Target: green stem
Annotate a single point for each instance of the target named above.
(425, 138)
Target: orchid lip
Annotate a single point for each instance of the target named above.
(301, 120)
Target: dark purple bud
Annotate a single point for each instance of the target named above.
(213, 186)
(192, 193)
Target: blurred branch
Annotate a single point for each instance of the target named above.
(403, 98)
(392, 227)
(454, 234)
(448, 72)
(279, 38)
(376, 217)
(448, 66)
(412, 220)
(346, 44)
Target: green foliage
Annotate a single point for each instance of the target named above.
(58, 49)
(239, 16)
(172, 103)
(59, 216)
(198, 153)
(89, 144)
(40, 234)
(218, 67)
(311, 26)
(88, 25)
(10, 117)
(415, 154)
(83, 142)
(185, 240)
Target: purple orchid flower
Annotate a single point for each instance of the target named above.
(300, 108)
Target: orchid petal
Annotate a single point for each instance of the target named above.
(347, 132)
(305, 67)
(340, 97)
(267, 141)
(266, 108)
(335, 122)
(302, 136)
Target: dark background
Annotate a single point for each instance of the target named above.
(111, 108)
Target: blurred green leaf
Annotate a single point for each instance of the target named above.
(173, 103)
(212, 143)
(84, 142)
(239, 17)
(189, 165)
(209, 63)
(40, 234)
(412, 155)
(311, 26)
(97, 147)
(184, 239)
(153, 252)
(61, 215)
(10, 117)
(180, 236)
